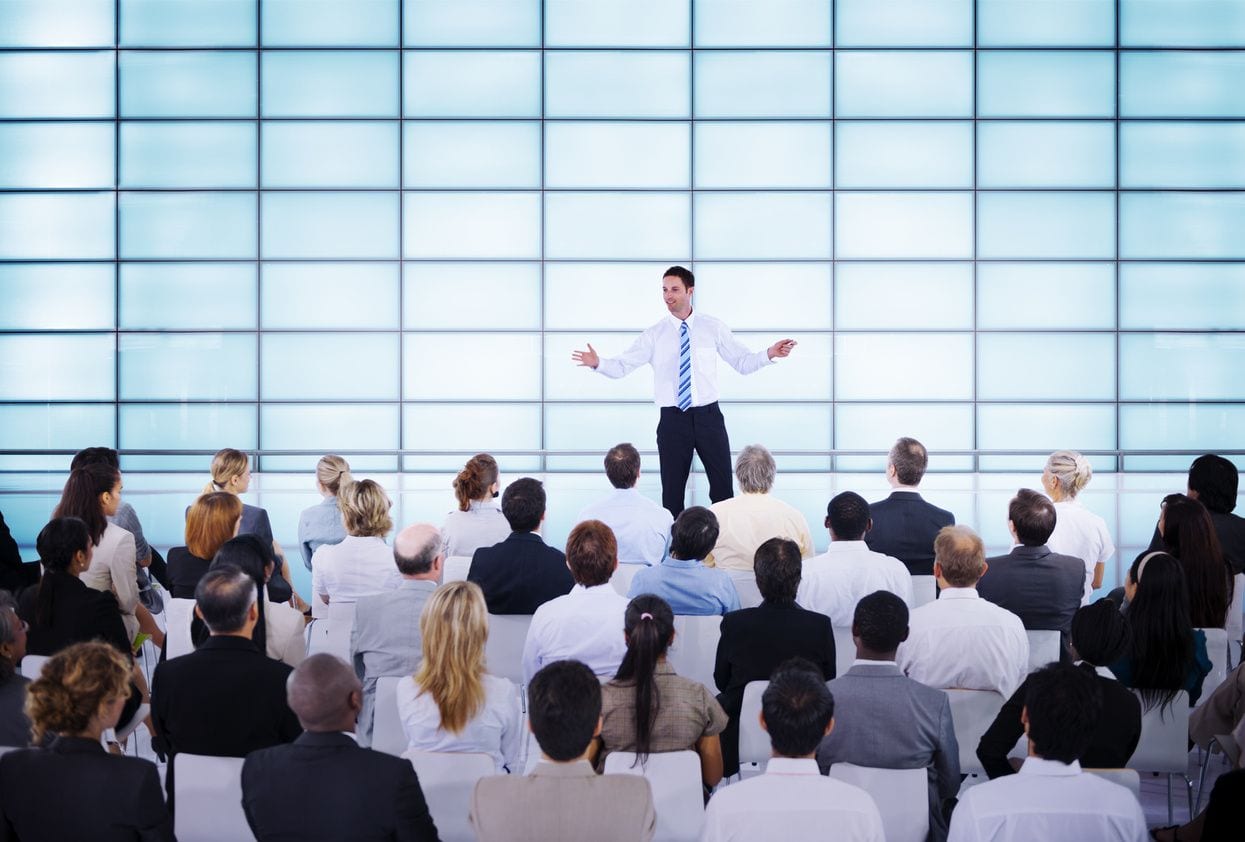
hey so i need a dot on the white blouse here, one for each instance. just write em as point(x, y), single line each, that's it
point(355, 568)
point(1082, 534)
point(482, 525)
point(285, 630)
point(496, 730)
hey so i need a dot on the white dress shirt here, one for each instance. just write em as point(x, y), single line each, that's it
point(793, 802)
point(747, 521)
point(641, 527)
point(585, 624)
point(497, 730)
point(1081, 534)
point(833, 582)
point(1048, 800)
point(482, 525)
point(965, 642)
point(113, 568)
point(285, 632)
point(659, 346)
point(354, 568)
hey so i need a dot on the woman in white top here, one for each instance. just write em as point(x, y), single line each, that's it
point(1078, 531)
point(322, 523)
point(280, 630)
point(451, 704)
point(362, 564)
point(478, 521)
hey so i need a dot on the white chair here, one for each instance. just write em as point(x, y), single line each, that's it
point(678, 797)
point(623, 574)
point(1217, 642)
point(503, 653)
point(456, 567)
point(31, 666)
point(754, 744)
point(695, 647)
point(448, 781)
point(178, 615)
point(972, 712)
point(924, 589)
point(844, 649)
point(1164, 745)
point(746, 586)
point(335, 639)
point(1235, 619)
point(1043, 648)
point(387, 733)
point(1127, 778)
point(902, 797)
point(208, 794)
point(124, 731)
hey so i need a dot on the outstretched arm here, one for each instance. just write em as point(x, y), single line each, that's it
point(781, 348)
point(744, 360)
point(640, 353)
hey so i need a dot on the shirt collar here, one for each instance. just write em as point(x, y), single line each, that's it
point(482, 506)
point(958, 593)
point(792, 766)
point(574, 769)
point(417, 585)
point(865, 662)
point(691, 320)
point(595, 590)
point(846, 546)
point(685, 563)
point(1049, 768)
point(905, 489)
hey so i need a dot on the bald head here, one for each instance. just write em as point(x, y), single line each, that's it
point(959, 556)
point(325, 694)
point(417, 551)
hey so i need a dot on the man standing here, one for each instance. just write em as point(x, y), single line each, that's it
point(683, 351)
point(904, 525)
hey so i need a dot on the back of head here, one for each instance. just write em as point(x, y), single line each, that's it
point(210, 522)
point(778, 566)
point(333, 472)
point(224, 596)
point(1064, 707)
point(253, 556)
point(74, 683)
point(755, 470)
point(622, 465)
point(1033, 517)
point(59, 541)
point(1070, 470)
point(881, 622)
point(474, 480)
point(693, 534)
point(454, 629)
point(365, 509)
point(322, 693)
point(1162, 631)
point(416, 548)
point(95, 455)
point(649, 627)
point(910, 459)
point(591, 553)
point(1215, 480)
point(226, 464)
point(523, 504)
point(1189, 535)
point(797, 707)
point(1101, 635)
point(564, 708)
point(80, 497)
point(960, 554)
point(848, 516)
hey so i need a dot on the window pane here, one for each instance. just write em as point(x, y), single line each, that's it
point(900, 84)
point(877, 426)
point(1037, 225)
point(328, 427)
point(598, 427)
point(55, 427)
point(471, 23)
point(1019, 154)
point(503, 295)
point(187, 427)
point(919, 225)
point(1182, 296)
point(1182, 23)
point(886, 366)
point(188, 366)
point(330, 23)
point(758, 296)
point(1186, 155)
point(1036, 427)
point(903, 155)
point(56, 23)
point(187, 225)
point(330, 155)
point(48, 226)
point(472, 84)
point(873, 296)
point(763, 225)
point(617, 84)
point(52, 367)
point(499, 367)
point(187, 23)
point(342, 225)
point(1046, 84)
point(1074, 366)
point(779, 23)
point(472, 225)
point(566, 381)
point(188, 84)
point(903, 23)
point(447, 154)
point(613, 155)
point(187, 154)
point(56, 84)
point(43, 155)
point(330, 295)
point(1043, 23)
point(617, 23)
point(808, 426)
point(330, 84)
point(574, 292)
point(50, 297)
point(1182, 366)
point(1045, 295)
point(1181, 84)
point(1175, 426)
point(621, 225)
point(762, 84)
point(762, 155)
point(338, 366)
point(463, 427)
point(804, 376)
point(1179, 225)
point(158, 296)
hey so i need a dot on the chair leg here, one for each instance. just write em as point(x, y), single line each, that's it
point(1188, 793)
point(1170, 819)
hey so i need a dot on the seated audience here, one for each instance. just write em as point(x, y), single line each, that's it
point(833, 582)
point(1222, 819)
point(1223, 712)
point(1052, 798)
point(756, 640)
point(563, 799)
point(210, 521)
point(322, 523)
point(280, 631)
point(792, 801)
point(648, 708)
point(889, 721)
point(1100, 636)
point(323, 786)
point(1213, 482)
point(904, 525)
point(1078, 532)
point(145, 557)
point(641, 526)
point(14, 574)
point(961, 640)
point(14, 726)
point(451, 704)
point(478, 522)
point(746, 521)
point(362, 564)
point(1189, 536)
point(386, 639)
point(521, 573)
point(586, 624)
point(682, 579)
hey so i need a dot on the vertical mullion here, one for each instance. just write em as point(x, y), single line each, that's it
point(401, 459)
point(834, 244)
point(976, 367)
point(259, 233)
point(116, 225)
point(1119, 455)
point(544, 237)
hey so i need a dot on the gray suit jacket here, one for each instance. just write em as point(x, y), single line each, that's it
point(886, 720)
point(563, 803)
point(1040, 587)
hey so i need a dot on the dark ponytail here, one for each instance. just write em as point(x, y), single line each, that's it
point(649, 624)
point(80, 498)
point(58, 542)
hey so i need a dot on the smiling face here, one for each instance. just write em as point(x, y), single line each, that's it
point(677, 295)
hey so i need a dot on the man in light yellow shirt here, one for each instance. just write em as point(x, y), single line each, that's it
point(749, 520)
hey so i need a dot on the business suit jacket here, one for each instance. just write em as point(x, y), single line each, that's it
point(185, 570)
point(563, 803)
point(904, 526)
point(13, 573)
point(79, 614)
point(323, 786)
point(886, 720)
point(1040, 587)
point(74, 790)
point(520, 574)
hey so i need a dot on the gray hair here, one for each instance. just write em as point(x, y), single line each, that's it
point(9, 621)
point(755, 469)
point(1071, 471)
point(416, 548)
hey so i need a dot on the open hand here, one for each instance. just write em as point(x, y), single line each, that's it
point(781, 348)
point(589, 357)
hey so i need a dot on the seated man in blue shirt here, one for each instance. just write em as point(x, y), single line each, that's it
point(682, 579)
point(641, 526)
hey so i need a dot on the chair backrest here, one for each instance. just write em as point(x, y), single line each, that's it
point(1217, 650)
point(754, 745)
point(924, 589)
point(1164, 743)
point(678, 797)
point(844, 649)
point(178, 615)
point(1043, 648)
point(447, 781)
point(695, 647)
point(746, 586)
point(338, 626)
point(972, 712)
point(455, 570)
point(623, 574)
point(31, 666)
point(902, 797)
point(387, 733)
point(1235, 610)
point(208, 793)
point(1127, 778)
point(503, 653)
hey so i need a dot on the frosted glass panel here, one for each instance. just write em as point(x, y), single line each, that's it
point(623, 225)
point(1045, 428)
point(612, 155)
point(187, 23)
point(758, 296)
point(599, 427)
point(566, 381)
point(1182, 23)
point(805, 427)
point(1158, 155)
point(923, 296)
point(897, 154)
point(471, 154)
point(342, 225)
point(340, 366)
point(1046, 295)
point(330, 295)
point(617, 23)
point(471, 84)
point(330, 84)
point(48, 226)
point(56, 23)
point(1176, 84)
point(1182, 296)
point(889, 366)
point(903, 23)
point(330, 23)
point(609, 84)
point(502, 295)
point(471, 23)
point(779, 23)
point(1046, 366)
point(1182, 225)
point(188, 427)
point(900, 84)
point(187, 225)
point(804, 376)
point(471, 427)
point(50, 296)
point(1037, 225)
point(328, 427)
point(1204, 428)
point(1046, 154)
point(497, 367)
point(43, 155)
point(187, 154)
point(188, 84)
point(917, 225)
point(763, 225)
point(56, 84)
point(762, 155)
point(1042, 23)
point(573, 292)
point(330, 155)
point(762, 84)
point(188, 366)
point(877, 426)
point(1182, 367)
point(472, 225)
point(1046, 84)
point(188, 295)
point(55, 427)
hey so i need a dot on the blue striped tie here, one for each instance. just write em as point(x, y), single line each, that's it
point(685, 369)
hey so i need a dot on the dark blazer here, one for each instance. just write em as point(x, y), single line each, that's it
point(520, 574)
point(14, 726)
point(1042, 588)
point(79, 614)
point(1113, 742)
point(323, 786)
point(13, 573)
point(1230, 530)
point(904, 526)
point(74, 790)
point(186, 569)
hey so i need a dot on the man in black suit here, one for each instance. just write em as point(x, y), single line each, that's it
point(904, 525)
point(1213, 481)
point(324, 786)
point(756, 640)
point(521, 573)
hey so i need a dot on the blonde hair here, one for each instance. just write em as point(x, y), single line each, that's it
point(74, 683)
point(226, 465)
point(365, 509)
point(454, 627)
point(1071, 471)
point(333, 472)
point(210, 522)
point(960, 555)
point(473, 481)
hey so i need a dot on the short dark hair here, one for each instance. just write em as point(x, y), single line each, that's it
point(848, 516)
point(881, 621)
point(95, 456)
point(523, 504)
point(910, 460)
point(564, 706)
point(684, 275)
point(1101, 635)
point(694, 533)
point(1033, 515)
point(1215, 480)
point(797, 706)
point(591, 553)
point(777, 565)
point(224, 595)
point(1065, 707)
point(622, 465)
point(60, 540)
